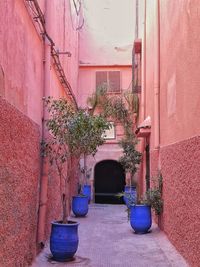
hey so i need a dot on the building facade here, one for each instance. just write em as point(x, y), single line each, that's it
point(169, 119)
point(38, 58)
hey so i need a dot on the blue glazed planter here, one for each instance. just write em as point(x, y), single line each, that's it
point(87, 191)
point(80, 206)
point(140, 218)
point(64, 240)
point(130, 195)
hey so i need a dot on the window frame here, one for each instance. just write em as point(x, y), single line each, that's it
point(108, 81)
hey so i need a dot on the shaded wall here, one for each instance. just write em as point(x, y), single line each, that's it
point(179, 120)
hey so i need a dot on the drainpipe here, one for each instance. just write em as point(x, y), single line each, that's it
point(157, 79)
point(143, 100)
point(44, 169)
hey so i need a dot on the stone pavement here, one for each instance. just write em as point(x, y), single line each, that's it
point(106, 239)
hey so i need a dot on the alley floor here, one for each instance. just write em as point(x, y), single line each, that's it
point(106, 239)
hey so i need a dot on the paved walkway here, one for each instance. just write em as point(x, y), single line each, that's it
point(107, 240)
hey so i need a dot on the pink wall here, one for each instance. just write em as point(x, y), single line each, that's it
point(108, 32)
point(179, 121)
point(21, 54)
point(19, 180)
point(106, 45)
point(180, 41)
point(87, 80)
point(87, 86)
point(21, 91)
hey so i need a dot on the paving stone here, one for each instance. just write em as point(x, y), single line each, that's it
point(106, 239)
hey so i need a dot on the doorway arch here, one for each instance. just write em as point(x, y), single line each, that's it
point(109, 179)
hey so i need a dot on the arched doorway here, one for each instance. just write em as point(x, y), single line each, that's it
point(109, 180)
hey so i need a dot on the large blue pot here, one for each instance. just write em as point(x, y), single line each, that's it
point(130, 195)
point(64, 240)
point(80, 205)
point(140, 218)
point(87, 191)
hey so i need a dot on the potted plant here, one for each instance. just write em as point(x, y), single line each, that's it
point(130, 161)
point(140, 213)
point(86, 187)
point(89, 129)
point(69, 129)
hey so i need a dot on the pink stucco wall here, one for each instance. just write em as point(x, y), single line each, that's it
point(19, 180)
point(180, 41)
point(108, 32)
point(87, 80)
point(87, 86)
point(179, 120)
point(21, 54)
point(181, 197)
point(22, 72)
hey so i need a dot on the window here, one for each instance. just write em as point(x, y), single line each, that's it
point(109, 78)
point(110, 134)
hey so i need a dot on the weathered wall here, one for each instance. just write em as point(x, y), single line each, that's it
point(181, 197)
point(22, 69)
point(19, 179)
point(179, 121)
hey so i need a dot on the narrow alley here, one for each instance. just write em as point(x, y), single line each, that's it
point(106, 239)
point(98, 99)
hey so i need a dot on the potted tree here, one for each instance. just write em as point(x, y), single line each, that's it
point(130, 161)
point(140, 213)
point(69, 129)
point(89, 129)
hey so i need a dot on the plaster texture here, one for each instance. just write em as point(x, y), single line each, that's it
point(179, 125)
point(22, 57)
point(106, 239)
point(180, 169)
point(19, 180)
point(22, 75)
point(87, 80)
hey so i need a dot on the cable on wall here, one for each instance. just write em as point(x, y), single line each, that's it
point(38, 17)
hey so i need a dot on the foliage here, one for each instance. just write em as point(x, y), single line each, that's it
point(153, 196)
point(72, 134)
point(120, 109)
point(131, 157)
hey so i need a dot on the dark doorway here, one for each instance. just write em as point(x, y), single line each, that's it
point(109, 180)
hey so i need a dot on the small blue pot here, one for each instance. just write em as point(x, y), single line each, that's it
point(87, 191)
point(64, 240)
point(130, 195)
point(140, 218)
point(80, 206)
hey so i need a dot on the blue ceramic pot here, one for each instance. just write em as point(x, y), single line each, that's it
point(64, 240)
point(130, 195)
point(80, 206)
point(87, 191)
point(140, 218)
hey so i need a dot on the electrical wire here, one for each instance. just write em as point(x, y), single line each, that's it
point(38, 17)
